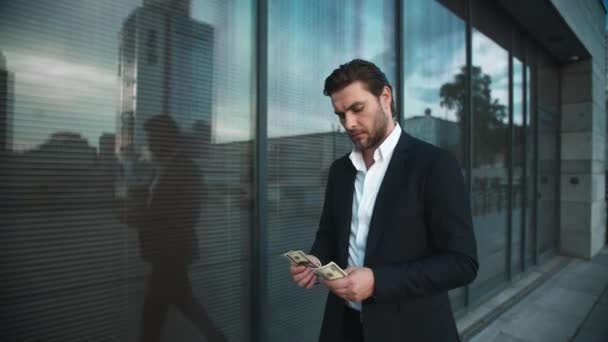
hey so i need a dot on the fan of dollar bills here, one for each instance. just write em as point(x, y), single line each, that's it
point(329, 271)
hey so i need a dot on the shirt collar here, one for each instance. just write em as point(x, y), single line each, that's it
point(384, 151)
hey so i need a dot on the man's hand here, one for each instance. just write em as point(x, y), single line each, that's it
point(356, 287)
point(304, 276)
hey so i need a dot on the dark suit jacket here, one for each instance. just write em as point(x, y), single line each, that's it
point(420, 244)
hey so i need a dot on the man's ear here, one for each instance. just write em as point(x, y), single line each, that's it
point(385, 99)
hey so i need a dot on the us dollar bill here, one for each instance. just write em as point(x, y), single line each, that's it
point(298, 258)
point(330, 271)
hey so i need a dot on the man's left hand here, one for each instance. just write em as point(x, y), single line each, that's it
point(356, 287)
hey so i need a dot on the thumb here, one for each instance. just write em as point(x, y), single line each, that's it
point(350, 269)
point(314, 260)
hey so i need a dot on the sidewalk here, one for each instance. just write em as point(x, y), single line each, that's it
point(570, 305)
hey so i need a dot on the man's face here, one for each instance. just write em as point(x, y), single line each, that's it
point(365, 117)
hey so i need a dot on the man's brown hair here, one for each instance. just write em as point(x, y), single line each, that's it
point(373, 79)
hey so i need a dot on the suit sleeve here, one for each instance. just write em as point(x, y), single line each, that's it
point(454, 260)
point(325, 240)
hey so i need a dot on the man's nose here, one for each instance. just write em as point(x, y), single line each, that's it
point(349, 121)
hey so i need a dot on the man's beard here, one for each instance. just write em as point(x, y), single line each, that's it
point(375, 136)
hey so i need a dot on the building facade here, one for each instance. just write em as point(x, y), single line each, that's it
point(520, 102)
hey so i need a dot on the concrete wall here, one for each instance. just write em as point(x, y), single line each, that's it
point(583, 133)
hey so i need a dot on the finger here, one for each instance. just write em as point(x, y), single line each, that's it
point(349, 269)
point(293, 269)
point(314, 260)
point(305, 280)
point(299, 276)
point(312, 282)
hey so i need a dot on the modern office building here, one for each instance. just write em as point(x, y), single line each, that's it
point(515, 89)
point(165, 66)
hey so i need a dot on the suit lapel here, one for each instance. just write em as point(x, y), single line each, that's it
point(344, 206)
point(387, 200)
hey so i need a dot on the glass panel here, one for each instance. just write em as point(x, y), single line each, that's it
point(518, 190)
point(118, 226)
point(490, 84)
point(434, 62)
point(307, 41)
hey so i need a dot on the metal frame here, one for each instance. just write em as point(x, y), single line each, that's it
point(468, 145)
point(400, 105)
point(525, 183)
point(259, 235)
point(518, 37)
point(510, 151)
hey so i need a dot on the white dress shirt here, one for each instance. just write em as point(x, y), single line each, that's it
point(367, 184)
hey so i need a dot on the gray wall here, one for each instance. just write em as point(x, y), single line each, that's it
point(583, 133)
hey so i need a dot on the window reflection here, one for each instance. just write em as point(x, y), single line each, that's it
point(89, 252)
point(307, 40)
point(490, 186)
point(434, 85)
point(103, 239)
point(518, 164)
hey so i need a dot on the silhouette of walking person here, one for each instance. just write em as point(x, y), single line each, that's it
point(166, 218)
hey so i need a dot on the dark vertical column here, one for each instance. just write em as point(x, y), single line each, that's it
point(510, 141)
point(468, 105)
point(525, 183)
point(536, 171)
point(398, 91)
point(259, 235)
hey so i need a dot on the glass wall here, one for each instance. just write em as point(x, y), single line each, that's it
point(518, 156)
point(125, 214)
point(127, 143)
point(489, 162)
point(307, 40)
point(434, 90)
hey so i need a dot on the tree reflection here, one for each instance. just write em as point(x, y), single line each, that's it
point(489, 115)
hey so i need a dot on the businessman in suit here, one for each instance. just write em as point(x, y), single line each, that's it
point(396, 216)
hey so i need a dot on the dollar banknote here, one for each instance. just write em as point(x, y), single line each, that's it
point(298, 258)
point(328, 272)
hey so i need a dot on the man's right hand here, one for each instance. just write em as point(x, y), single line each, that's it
point(304, 276)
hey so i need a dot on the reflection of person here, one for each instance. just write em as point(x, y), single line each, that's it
point(396, 212)
point(166, 219)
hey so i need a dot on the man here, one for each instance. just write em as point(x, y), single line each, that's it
point(397, 218)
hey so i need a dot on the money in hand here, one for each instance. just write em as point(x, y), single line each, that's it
point(298, 258)
point(328, 272)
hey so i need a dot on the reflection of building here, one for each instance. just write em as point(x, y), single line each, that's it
point(285, 156)
point(165, 67)
point(7, 83)
point(296, 183)
point(434, 130)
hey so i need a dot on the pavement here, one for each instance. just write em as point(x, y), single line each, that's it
point(565, 299)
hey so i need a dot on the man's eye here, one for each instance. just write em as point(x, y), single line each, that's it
point(358, 109)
